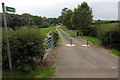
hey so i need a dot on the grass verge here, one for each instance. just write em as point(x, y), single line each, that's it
point(59, 41)
point(116, 52)
point(70, 32)
point(98, 42)
point(95, 41)
point(46, 72)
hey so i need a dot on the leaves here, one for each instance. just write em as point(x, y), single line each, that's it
point(25, 44)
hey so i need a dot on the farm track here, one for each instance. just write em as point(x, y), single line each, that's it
point(84, 62)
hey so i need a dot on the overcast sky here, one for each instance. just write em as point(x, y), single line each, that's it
point(102, 9)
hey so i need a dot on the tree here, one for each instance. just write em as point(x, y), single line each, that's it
point(66, 19)
point(15, 20)
point(74, 20)
point(53, 20)
point(27, 19)
point(37, 20)
point(64, 11)
point(60, 19)
point(82, 17)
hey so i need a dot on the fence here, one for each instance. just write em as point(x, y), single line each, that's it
point(49, 44)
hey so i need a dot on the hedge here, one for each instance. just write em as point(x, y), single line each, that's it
point(55, 37)
point(27, 49)
point(109, 35)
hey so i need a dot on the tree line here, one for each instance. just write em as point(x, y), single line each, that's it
point(78, 19)
point(81, 19)
point(27, 46)
point(105, 21)
point(16, 20)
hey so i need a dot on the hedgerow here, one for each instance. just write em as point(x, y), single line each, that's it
point(26, 47)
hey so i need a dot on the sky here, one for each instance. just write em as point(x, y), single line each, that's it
point(102, 9)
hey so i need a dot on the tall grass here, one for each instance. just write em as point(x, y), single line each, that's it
point(46, 72)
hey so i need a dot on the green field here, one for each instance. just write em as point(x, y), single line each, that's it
point(46, 72)
point(44, 31)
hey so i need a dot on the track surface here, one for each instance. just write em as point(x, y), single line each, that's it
point(84, 61)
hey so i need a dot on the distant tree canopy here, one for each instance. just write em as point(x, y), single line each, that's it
point(15, 20)
point(105, 21)
point(82, 17)
point(66, 13)
point(79, 19)
point(53, 20)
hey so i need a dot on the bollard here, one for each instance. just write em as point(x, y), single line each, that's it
point(71, 41)
point(87, 42)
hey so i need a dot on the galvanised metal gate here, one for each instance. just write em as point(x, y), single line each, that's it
point(49, 45)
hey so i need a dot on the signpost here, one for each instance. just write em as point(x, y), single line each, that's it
point(9, 9)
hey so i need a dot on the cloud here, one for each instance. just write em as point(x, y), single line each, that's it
point(103, 9)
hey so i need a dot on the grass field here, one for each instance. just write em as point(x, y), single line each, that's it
point(46, 72)
point(44, 31)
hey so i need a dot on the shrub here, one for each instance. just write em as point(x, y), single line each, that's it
point(109, 35)
point(26, 46)
point(44, 25)
point(91, 31)
point(55, 37)
point(111, 39)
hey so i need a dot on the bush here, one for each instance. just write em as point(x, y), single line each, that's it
point(91, 31)
point(109, 35)
point(44, 25)
point(26, 46)
point(111, 40)
point(55, 37)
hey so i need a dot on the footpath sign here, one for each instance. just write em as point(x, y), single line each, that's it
point(10, 9)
